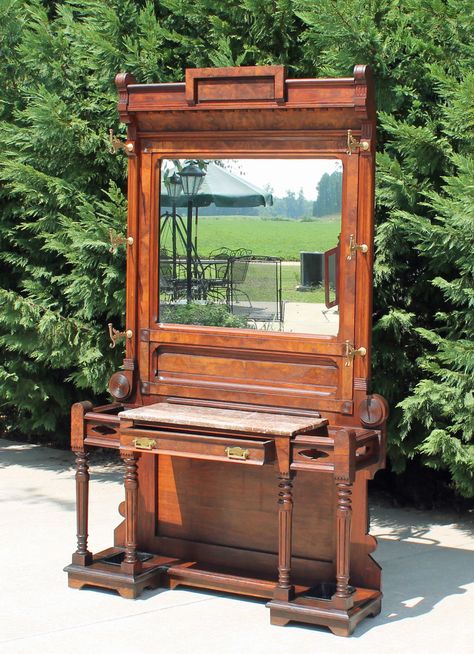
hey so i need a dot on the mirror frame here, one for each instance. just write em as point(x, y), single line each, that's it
point(156, 313)
point(251, 112)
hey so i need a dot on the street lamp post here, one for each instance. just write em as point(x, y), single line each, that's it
point(192, 178)
point(174, 187)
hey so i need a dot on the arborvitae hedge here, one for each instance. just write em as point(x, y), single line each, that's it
point(62, 191)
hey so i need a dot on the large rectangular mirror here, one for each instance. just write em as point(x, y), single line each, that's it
point(251, 243)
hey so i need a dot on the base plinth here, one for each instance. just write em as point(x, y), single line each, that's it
point(104, 572)
point(323, 612)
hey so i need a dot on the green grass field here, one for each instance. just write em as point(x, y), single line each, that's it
point(285, 239)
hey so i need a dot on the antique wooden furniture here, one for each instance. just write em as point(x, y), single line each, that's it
point(246, 452)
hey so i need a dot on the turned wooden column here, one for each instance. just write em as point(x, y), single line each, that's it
point(82, 556)
point(343, 539)
point(131, 564)
point(344, 475)
point(284, 591)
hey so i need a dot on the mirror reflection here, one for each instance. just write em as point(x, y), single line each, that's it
point(251, 243)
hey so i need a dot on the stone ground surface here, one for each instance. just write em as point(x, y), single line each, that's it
point(428, 562)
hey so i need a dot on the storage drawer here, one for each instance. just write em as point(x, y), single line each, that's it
point(102, 433)
point(199, 446)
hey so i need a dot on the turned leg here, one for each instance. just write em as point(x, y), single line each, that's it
point(82, 556)
point(284, 590)
point(343, 541)
point(131, 564)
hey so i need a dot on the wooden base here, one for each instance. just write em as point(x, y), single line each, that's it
point(341, 622)
point(212, 578)
point(102, 574)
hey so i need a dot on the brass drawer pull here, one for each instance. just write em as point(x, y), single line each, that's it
point(144, 443)
point(237, 453)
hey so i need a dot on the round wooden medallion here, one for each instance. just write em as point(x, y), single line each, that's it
point(119, 385)
point(373, 411)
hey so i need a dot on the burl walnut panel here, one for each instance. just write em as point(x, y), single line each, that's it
point(316, 378)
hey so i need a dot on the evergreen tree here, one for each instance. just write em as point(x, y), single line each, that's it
point(62, 191)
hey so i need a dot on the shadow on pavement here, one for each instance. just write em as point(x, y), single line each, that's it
point(105, 465)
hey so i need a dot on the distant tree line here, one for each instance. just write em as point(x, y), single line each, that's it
point(329, 200)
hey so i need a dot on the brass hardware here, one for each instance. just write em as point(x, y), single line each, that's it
point(350, 352)
point(354, 247)
point(237, 453)
point(116, 240)
point(353, 144)
point(144, 443)
point(116, 335)
point(116, 144)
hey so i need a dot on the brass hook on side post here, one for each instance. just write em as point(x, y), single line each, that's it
point(356, 247)
point(353, 144)
point(350, 353)
point(116, 335)
point(116, 240)
point(116, 144)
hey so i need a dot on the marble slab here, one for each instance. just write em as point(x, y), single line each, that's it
point(254, 422)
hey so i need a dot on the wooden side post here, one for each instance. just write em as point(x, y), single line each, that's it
point(344, 475)
point(131, 564)
point(284, 591)
point(81, 556)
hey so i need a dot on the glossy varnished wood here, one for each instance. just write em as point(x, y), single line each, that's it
point(290, 516)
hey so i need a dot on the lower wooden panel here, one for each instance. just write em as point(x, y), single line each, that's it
point(217, 514)
point(229, 505)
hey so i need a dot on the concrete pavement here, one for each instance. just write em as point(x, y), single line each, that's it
point(427, 558)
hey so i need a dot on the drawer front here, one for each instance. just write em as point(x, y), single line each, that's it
point(197, 446)
point(311, 456)
point(102, 434)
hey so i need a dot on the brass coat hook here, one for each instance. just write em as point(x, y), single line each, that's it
point(353, 144)
point(116, 144)
point(117, 239)
point(116, 335)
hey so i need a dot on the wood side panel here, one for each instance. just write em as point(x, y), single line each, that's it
point(244, 514)
point(132, 254)
point(365, 234)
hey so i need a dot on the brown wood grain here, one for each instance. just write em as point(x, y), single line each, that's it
point(298, 517)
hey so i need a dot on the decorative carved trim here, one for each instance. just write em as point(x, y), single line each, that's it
point(360, 384)
point(373, 411)
point(122, 80)
point(78, 410)
point(346, 408)
point(249, 81)
point(129, 364)
point(363, 88)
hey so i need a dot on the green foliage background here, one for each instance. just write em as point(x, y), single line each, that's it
point(62, 191)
